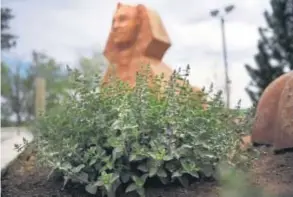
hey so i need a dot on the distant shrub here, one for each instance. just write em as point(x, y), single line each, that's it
point(121, 136)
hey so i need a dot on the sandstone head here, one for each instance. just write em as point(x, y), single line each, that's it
point(139, 30)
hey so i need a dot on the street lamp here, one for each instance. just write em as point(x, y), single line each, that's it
point(218, 13)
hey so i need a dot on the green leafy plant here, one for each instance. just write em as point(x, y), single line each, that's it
point(118, 137)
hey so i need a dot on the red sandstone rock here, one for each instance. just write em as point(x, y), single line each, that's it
point(274, 116)
point(283, 137)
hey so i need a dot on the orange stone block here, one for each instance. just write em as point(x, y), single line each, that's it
point(137, 38)
point(274, 115)
point(245, 142)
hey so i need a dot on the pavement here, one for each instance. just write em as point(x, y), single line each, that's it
point(9, 137)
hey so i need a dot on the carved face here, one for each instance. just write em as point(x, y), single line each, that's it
point(125, 22)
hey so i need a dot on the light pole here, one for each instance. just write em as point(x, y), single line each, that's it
point(221, 15)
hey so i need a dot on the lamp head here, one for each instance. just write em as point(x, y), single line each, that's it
point(214, 13)
point(229, 8)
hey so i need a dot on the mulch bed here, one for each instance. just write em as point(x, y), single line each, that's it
point(24, 179)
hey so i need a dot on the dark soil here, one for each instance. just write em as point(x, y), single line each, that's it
point(272, 172)
point(25, 179)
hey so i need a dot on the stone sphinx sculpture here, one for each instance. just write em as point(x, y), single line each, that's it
point(137, 38)
point(274, 116)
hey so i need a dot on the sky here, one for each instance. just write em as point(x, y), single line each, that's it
point(69, 29)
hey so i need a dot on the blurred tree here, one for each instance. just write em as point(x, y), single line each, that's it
point(55, 74)
point(95, 64)
point(12, 93)
point(18, 90)
point(8, 40)
point(275, 48)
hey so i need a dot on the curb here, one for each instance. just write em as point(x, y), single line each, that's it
point(8, 152)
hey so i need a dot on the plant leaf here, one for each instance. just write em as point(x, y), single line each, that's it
point(134, 157)
point(78, 168)
point(167, 158)
point(131, 188)
point(171, 166)
point(117, 152)
point(108, 187)
point(162, 173)
point(92, 189)
point(207, 170)
point(194, 174)
point(66, 179)
point(153, 171)
point(176, 174)
point(93, 161)
point(139, 181)
point(116, 184)
point(66, 166)
point(141, 192)
point(114, 178)
point(143, 167)
point(153, 166)
point(209, 156)
point(164, 180)
point(124, 177)
point(99, 183)
point(83, 177)
point(184, 181)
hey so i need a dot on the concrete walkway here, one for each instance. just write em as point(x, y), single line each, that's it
point(9, 137)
